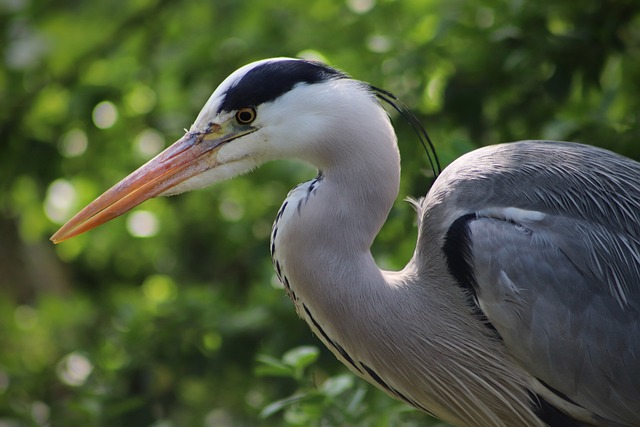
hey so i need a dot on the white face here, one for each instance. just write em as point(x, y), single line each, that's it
point(307, 123)
point(239, 155)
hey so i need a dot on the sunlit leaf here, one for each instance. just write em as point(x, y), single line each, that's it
point(301, 357)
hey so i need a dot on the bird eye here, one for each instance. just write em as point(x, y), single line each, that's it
point(246, 115)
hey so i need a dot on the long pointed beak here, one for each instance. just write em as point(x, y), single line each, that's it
point(192, 154)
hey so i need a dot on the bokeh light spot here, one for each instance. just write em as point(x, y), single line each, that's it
point(61, 197)
point(149, 142)
point(105, 115)
point(361, 6)
point(141, 99)
point(74, 369)
point(142, 224)
point(231, 210)
point(212, 341)
point(159, 288)
point(74, 143)
point(40, 412)
point(379, 44)
point(485, 17)
point(27, 47)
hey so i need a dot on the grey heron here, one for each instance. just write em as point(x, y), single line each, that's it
point(521, 303)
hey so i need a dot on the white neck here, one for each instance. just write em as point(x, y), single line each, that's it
point(321, 249)
point(324, 232)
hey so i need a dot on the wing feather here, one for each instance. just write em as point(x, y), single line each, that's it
point(554, 236)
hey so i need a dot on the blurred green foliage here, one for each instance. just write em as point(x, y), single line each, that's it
point(171, 316)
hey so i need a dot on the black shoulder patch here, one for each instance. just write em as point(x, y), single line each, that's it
point(270, 80)
point(457, 251)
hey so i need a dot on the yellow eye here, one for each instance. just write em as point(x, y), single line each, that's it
point(246, 115)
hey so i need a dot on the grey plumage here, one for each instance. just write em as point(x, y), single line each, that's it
point(559, 278)
point(521, 303)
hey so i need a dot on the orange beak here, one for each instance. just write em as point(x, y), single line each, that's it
point(191, 155)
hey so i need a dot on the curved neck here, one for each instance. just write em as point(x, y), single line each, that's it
point(355, 200)
point(368, 318)
point(339, 214)
point(323, 234)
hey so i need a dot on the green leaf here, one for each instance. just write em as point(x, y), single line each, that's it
point(272, 367)
point(337, 385)
point(281, 404)
point(301, 357)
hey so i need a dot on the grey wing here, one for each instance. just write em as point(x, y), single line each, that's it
point(563, 294)
point(550, 234)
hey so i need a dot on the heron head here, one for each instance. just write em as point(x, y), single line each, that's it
point(270, 109)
